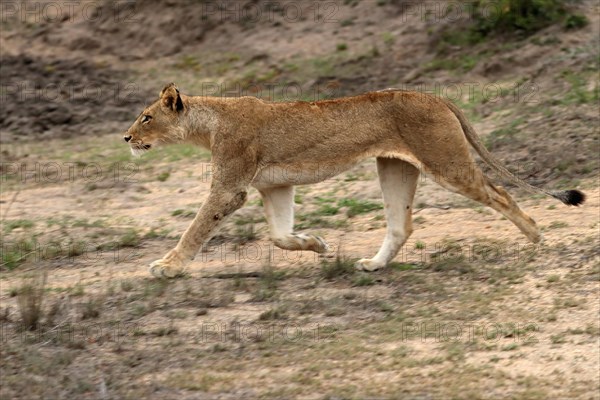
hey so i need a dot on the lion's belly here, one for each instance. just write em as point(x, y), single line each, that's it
point(279, 175)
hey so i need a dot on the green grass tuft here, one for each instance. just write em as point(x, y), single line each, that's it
point(356, 207)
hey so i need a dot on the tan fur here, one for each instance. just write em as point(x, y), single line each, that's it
point(274, 146)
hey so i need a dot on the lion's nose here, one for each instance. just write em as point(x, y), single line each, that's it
point(127, 138)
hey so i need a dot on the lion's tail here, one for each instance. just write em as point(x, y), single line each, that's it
point(569, 197)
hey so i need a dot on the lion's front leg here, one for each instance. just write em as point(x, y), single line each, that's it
point(219, 204)
point(170, 266)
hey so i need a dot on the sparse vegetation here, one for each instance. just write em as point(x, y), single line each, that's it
point(30, 298)
point(402, 266)
point(388, 39)
point(9, 226)
point(461, 64)
point(499, 136)
point(163, 176)
point(327, 209)
point(557, 225)
point(575, 21)
point(91, 308)
point(341, 47)
point(320, 218)
point(130, 238)
point(76, 290)
point(268, 283)
point(347, 22)
point(341, 266)
point(249, 220)
point(188, 62)
point(363, 279)
point(521, 16)
point(356, 207)
point(183, 213)
point(15, 253)
point(245, 234)
point(273, 313)
point(579, 92)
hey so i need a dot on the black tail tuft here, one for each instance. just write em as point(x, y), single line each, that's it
point(570, 197)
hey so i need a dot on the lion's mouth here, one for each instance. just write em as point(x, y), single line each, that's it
point(139, 148)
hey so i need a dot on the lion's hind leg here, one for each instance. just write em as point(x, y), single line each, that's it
point(398, 180)
point(279, 210)
point(473, 184)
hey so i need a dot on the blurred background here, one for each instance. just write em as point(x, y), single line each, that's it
point(526, 70)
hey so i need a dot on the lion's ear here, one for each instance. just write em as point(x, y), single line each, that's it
point(170, 98)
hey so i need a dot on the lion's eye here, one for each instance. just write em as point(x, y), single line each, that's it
point(146, 119)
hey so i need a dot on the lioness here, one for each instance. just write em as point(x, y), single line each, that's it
point(274, 146)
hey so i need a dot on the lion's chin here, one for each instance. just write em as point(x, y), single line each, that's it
point(136, 152)
point(139, 149)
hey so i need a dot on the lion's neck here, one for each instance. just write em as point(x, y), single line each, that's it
point(202, 121)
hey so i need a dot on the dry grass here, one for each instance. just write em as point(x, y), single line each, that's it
point(30, 299)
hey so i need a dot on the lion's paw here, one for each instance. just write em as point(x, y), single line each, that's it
point(367, 264)
point(165, 269)
point(321, 245)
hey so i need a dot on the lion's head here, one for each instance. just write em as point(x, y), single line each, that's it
point(159, 123)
